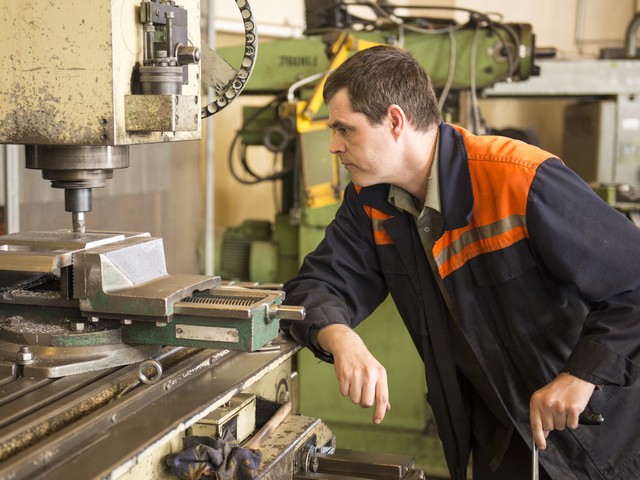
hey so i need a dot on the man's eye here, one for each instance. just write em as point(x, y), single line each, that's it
point(343, 130)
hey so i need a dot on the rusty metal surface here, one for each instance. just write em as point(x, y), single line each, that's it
point(283, 451)
point(161, 113)
point(67, 69)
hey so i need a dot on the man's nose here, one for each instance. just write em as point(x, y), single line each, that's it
point(337, 146)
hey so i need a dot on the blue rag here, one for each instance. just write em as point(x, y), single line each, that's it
point(208, 458)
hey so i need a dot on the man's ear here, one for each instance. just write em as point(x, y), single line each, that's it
point(397, 119)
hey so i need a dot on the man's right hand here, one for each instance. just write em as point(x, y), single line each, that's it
point(361, 377)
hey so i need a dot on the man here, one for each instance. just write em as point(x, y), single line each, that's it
point(519, 286)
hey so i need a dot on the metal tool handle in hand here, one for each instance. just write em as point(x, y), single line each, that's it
point(585, 418)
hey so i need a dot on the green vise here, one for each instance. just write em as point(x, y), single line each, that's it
point(221, 318)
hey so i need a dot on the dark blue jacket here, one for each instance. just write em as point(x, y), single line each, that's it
point(542, 277)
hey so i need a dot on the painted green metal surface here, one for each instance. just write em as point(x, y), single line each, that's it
point(251, 333)
point(29, 324)
point(479, 57)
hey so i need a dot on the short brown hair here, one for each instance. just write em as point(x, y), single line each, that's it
point(385, 75)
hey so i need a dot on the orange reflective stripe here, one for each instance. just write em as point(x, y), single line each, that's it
point(380, 235)
point(382, 238)
point(478, 241)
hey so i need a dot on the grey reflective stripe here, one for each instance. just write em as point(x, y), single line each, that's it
point(377, 224)
point(481, 233)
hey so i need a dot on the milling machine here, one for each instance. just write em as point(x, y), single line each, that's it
point(107, 361)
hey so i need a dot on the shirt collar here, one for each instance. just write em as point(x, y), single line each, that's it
point(403, 200)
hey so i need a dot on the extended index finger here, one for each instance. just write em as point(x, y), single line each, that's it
point(382, 400)
point(535, 420)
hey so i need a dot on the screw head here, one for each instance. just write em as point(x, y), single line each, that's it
point(77, 326)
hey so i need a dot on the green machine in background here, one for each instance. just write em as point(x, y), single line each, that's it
point(460, 58)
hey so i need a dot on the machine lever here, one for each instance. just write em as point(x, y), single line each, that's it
point(590, 418)
point(286, 312)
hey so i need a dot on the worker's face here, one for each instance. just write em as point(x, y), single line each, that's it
point(367, 151)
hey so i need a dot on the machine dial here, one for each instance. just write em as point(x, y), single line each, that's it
point(226, 81)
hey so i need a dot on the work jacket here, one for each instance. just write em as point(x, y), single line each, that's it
point(539, 274)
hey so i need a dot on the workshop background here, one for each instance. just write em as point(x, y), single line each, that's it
point(163, 190)
point(170, 191)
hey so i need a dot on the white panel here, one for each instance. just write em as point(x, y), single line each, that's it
point(277, 18)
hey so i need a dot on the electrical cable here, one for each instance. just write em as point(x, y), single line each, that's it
point(256, 178)
point(472, 82)
point(489, 19)
point(452, 70)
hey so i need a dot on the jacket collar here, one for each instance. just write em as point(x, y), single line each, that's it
point(456, 194)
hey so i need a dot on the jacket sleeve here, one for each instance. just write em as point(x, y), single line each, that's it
point(339, 282)
point(582, 240)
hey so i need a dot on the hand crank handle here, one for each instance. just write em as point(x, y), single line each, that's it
point(587, 417)
point(590, 418)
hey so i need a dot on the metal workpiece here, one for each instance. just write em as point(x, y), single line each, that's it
point(129, 280)
point(46, 252)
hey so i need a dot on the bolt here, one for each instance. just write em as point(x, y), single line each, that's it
point(284, 396)
point(77, 326)
point(24, 356)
